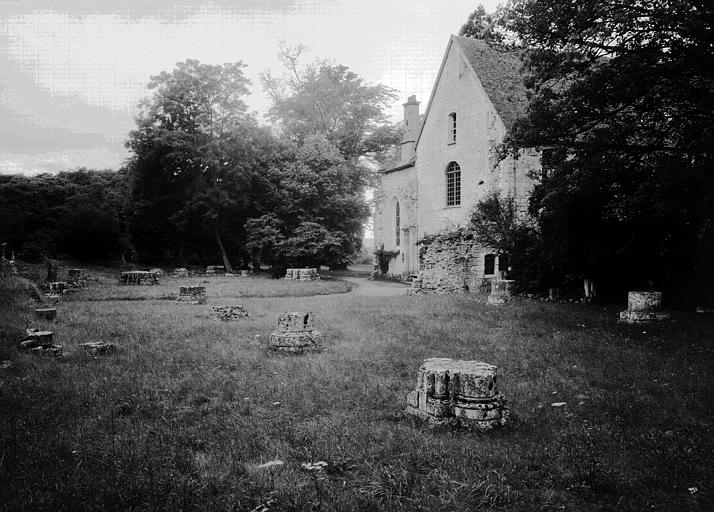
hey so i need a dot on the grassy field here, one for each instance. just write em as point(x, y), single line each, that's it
point(187, 410)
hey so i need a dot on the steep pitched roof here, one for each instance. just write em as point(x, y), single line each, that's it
point(499, 73)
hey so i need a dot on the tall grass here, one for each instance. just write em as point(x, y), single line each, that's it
point(183, 415)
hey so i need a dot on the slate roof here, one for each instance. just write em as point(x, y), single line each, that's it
point(499, 73)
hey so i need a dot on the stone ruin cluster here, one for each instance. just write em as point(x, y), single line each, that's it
point(215, 270)
point(459, 393)
point(40, 342)
point(302, 274)
point(192, 294)
point(76, 279)
point(295, 333)
point(139, 278)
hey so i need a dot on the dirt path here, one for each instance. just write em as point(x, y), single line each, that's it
point(365, 287)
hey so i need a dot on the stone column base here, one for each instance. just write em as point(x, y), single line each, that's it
point(296, 342)
point(459, 393)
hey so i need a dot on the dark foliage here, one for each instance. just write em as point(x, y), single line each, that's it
point(623, 106)
point(78, 214)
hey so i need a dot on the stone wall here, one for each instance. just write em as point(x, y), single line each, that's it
point(452, 267)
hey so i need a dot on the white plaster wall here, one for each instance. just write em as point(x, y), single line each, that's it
point(478, 128)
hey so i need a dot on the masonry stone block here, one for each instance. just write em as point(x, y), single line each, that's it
point(456, 392)
point(644, 306)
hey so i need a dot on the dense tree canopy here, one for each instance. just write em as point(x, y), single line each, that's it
point(623, 106)
point(332, 124)
point(194, 151)
point(78, 214)
point(328, 99)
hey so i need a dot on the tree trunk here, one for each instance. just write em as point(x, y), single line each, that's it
point(226, 262)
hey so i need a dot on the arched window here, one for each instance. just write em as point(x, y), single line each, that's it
point(452, 127)
point(453, 184)
point(489, 264)
point(396, 223)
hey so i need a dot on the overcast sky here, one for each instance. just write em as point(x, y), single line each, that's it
point(72, 72)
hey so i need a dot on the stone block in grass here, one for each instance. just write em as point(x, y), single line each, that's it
point(228, 313)
point(192, 294)
point(460, 393)
point(98, 347)
point(643, 307)
point(296, 334)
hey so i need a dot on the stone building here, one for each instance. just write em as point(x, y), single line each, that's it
point(448, 162)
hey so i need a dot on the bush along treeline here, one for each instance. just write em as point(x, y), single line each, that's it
point(206, 184)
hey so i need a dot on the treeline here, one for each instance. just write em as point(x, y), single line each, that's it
point(79, 214)
point(206, 184)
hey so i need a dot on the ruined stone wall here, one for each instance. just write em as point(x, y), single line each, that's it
point(454, 266)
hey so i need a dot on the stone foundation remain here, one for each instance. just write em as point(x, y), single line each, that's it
point(461, 393)
point(139, 278)
point(192, 294)
point(302, 274)
point(37, 338)
point(98, 347)
point(215, 270)
point(643, 307)
point(76, 278)
point(46, 313)
point(181, 272)
point(228, 313)
point(40, 342)
point(501, 291)
point(295, 334)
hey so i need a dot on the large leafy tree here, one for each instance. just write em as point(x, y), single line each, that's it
point(311, 212)
point(332, 125)
point(483, 25)
point(329, 99)
point(623, 105)
point(193, 154)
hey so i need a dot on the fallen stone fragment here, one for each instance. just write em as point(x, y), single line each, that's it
point(314, 466)
point(98, 347)
point(228, 313)
point(36, 338)
point(558, 404)
point(272, 464)
point(460, 393)
point(46, 313)
point(139, 278)
point(192, 294)
point(52, 350)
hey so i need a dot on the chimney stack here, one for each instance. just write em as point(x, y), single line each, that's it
point(411, 128)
